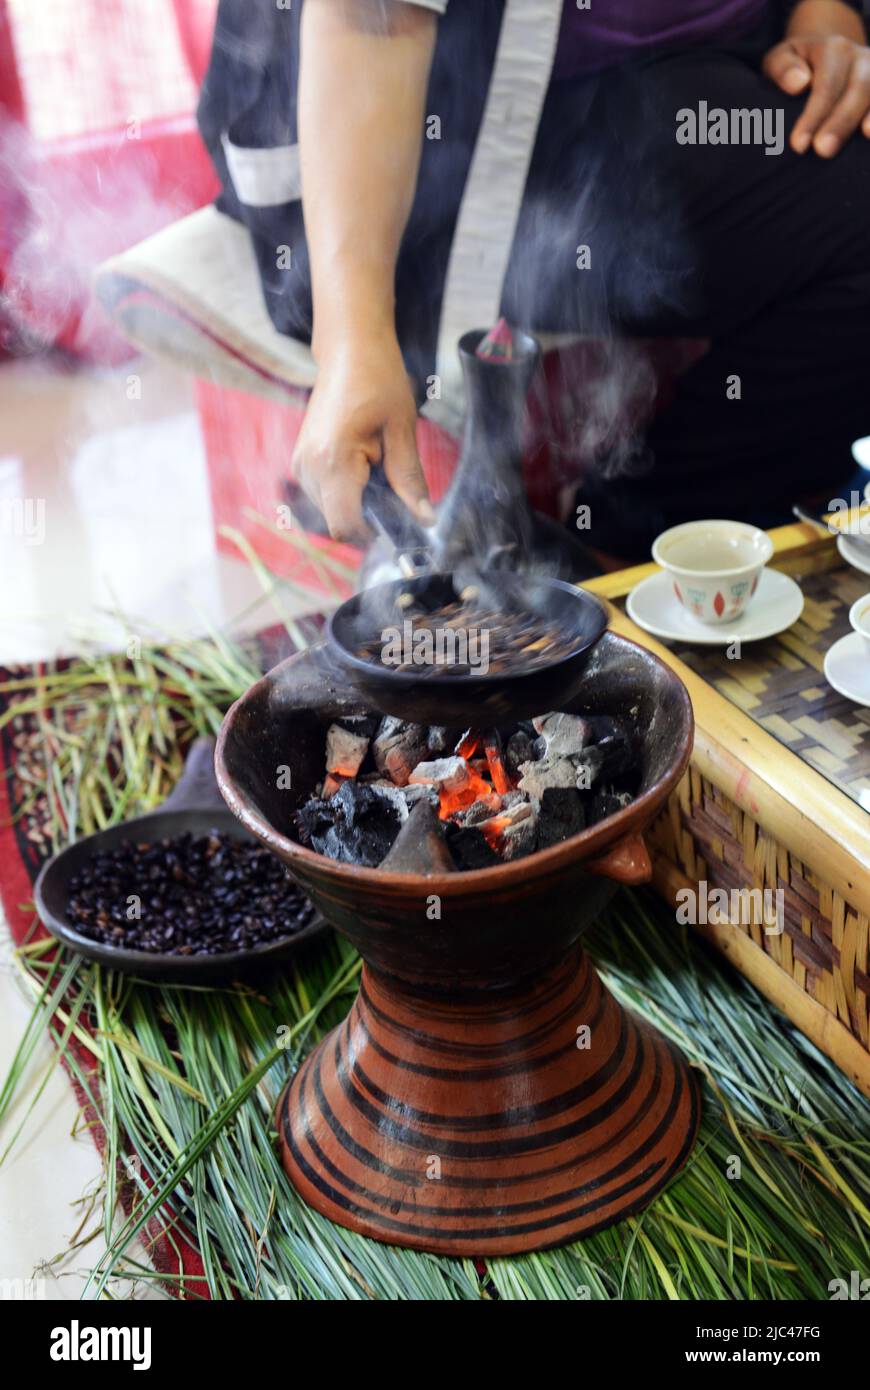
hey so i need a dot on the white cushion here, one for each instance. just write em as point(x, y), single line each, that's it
point(192, 293)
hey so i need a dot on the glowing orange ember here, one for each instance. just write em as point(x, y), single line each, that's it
point(494, 828)
point(467, 744)
point(497, 770)
point(342, 772)
point(457, 798)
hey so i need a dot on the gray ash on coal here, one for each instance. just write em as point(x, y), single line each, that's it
point(501, 793)
point(519, 750)
point(199, 896)
point(398, 748)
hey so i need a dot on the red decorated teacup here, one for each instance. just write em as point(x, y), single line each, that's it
point(714, 566)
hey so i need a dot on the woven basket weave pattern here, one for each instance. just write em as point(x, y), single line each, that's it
point(781, 684)
point(824, 943)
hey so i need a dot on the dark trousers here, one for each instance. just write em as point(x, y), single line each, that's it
point(767, 256)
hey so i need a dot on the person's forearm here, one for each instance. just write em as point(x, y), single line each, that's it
point(363, 79)
point(826, 17)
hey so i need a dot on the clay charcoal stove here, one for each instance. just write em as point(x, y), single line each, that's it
point(484, 865)
point(498, 794)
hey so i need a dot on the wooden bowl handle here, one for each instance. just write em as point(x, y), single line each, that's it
point(628, 862)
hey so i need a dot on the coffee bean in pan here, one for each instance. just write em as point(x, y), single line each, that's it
point(466, 638)
point(187, 896)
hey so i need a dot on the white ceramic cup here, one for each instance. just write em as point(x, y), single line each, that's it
point(714, 566)
point(859, 617)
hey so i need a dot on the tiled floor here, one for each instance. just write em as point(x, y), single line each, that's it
point(117, 513)
point(118, 519)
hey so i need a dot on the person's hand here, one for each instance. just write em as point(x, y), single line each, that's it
point(361, 415)
point(835, 71)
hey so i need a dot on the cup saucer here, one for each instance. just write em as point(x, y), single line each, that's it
point(858, 556)
point(654, 606)
point(847, 668)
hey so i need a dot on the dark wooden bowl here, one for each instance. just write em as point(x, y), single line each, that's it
point(463, 1052)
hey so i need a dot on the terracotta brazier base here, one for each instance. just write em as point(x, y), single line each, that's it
point(488, 1123)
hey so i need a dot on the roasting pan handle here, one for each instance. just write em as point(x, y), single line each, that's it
point(627, 862)
point(197, 788)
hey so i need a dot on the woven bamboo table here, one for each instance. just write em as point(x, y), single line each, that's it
point(775, 798)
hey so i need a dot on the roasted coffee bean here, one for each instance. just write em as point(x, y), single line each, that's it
point(187, 896)
point(460, 638)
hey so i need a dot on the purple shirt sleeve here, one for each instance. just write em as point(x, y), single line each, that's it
point(611, 31)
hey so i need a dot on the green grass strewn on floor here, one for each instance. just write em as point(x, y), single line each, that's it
point(190, 1079)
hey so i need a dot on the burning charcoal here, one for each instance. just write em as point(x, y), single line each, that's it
point(398, 748)
point(495, 761)
point(478, 811)
point(565, 734)
point(405, 798)
point(446, 774)
point(470, 849)
point(420, 791)
point(345, 751)
point(610, 757)
point(561, 816)
point(547, 772)
point(588, 767)
point(513, 798)
point(457, 784)
point(512, 833)
point(365, 725)
point(439, 740)
point(518, 750)
point(616, 743)
point(467, 744)
point(314, 819)
point(358, 825)
point(519, 840)
point(421, 846)
point(607, 803)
